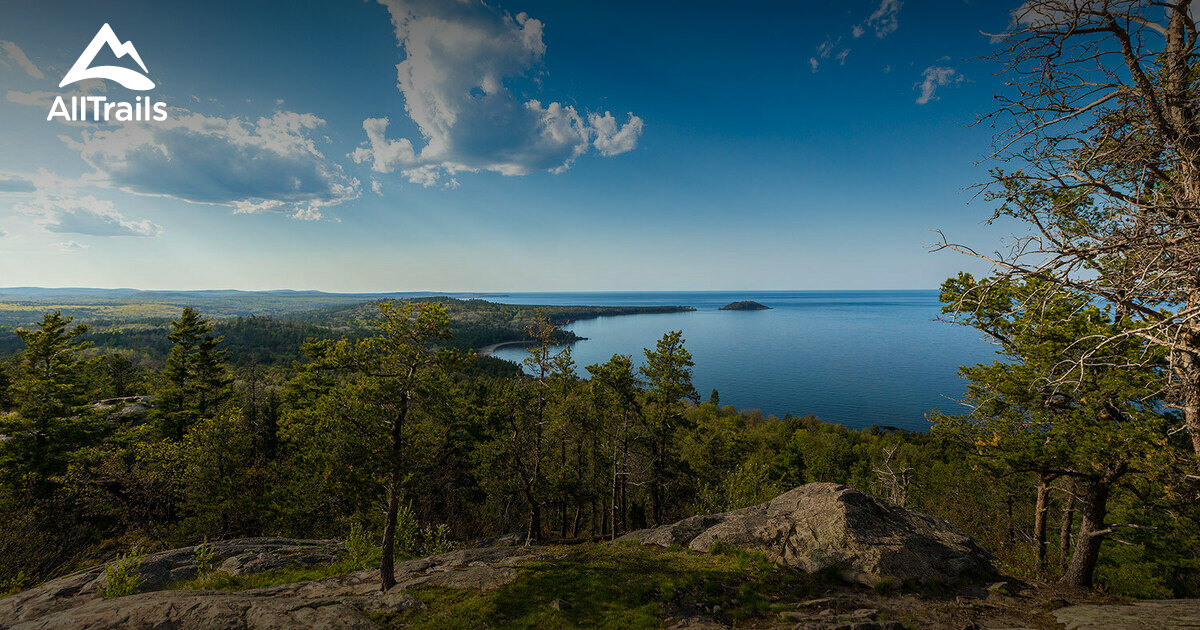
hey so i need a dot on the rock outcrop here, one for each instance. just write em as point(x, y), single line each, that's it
point(335, 602)
point(823, 526)
point(1168, 614)
point(236, 557)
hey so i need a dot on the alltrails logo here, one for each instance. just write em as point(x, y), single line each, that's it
point(100, 109)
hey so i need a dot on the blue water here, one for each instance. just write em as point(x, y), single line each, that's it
point(853, 357)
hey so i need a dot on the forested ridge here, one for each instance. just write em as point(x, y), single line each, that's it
point(392, 431)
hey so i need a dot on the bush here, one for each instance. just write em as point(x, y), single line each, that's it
point(14, 584)
point(205, 558)
point(359, 547)
point(123, 576)
point(414, 540)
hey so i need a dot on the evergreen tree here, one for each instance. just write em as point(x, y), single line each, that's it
point(396, 373)
point(616, 398)
point(49, 395)
point(1099, 429)
point(194, 380)
point(668, 371)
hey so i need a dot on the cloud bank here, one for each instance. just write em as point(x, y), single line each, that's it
point(269, 165)
point(84, 215)
point(461, 61)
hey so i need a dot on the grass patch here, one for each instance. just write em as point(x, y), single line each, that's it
point(614, 585)
point(222, 581)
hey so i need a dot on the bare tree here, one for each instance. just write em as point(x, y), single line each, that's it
point(1099, 141)
point(894, 481)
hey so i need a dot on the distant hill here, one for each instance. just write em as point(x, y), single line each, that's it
point(269, 326)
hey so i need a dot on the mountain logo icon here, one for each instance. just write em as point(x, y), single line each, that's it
point(82, 69)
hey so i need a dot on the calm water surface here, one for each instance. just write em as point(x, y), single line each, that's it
point(854, 357)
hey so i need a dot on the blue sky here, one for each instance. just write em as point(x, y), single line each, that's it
point(528, 145)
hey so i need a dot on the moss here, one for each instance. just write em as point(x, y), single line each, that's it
point(222, 581)
point(613, 585)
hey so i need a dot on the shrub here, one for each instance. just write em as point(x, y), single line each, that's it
point(14, 584)
point(123, 576)
point(359, 547)
point(205, 557)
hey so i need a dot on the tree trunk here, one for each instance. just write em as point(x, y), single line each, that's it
point(1190, 382)
point(535, 524)
point(1092, 511)
point(1039, 520)
point(387, 571)
point(1068, 520)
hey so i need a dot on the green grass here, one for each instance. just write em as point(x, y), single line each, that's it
point(221, 581)
point(615, 585)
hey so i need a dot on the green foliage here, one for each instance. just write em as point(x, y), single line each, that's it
point(14, 584)
point(123, 576)
point(359, 549)
point(315, 449)
point(614, 586)
point(221, 581)
point(205, 557)
point(194, 381)
point(48, 396)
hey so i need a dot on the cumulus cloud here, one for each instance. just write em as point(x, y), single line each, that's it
point(461, 63)
point(13, 53)
point(384, 155)
point(86, 214)
point(70, 246)
point(934, 77)
point(884, 21)
point(271, 164)
point(613, 138)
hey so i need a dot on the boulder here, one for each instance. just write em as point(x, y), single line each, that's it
point(822, 526)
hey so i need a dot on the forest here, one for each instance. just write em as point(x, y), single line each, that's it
point(397, 433)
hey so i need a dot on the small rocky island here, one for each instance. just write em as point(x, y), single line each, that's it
point(745, 305)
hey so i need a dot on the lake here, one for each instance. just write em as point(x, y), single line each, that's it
point(853, 357)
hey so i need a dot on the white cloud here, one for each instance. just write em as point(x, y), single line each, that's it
point(813, 63)
point(612, 138)
point(462, 63)
point(933, 78)
point(269, 165)
point(857, 31)
point(15, 183)
point(384, 155)
point(376, 187)
point(884, 21)
point(70, 246)
point(14, 53)
point(86, 214)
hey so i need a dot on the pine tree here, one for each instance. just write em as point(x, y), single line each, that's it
point(668, 371)
point(49, 396)
point(195, 381)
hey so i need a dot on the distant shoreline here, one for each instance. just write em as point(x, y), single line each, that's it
point(487, 350)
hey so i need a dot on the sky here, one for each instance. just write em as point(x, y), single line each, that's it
point(512, 145)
